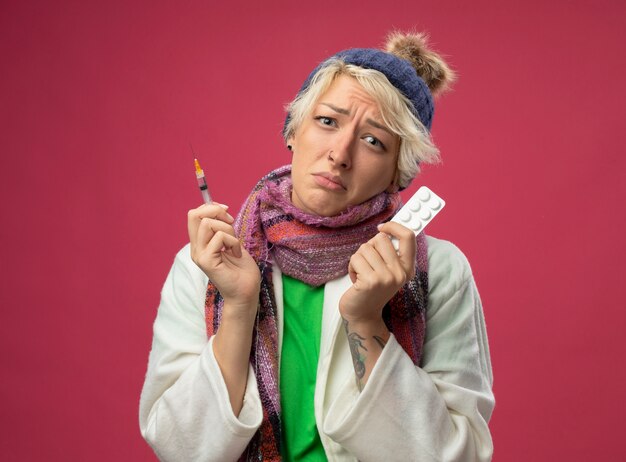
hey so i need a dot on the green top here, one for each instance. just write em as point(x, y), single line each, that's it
point(303, 306)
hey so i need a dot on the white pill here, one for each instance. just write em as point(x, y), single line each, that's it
point(405, 216)
point(415, 206)
point(416, 225)
point(434, 203)
point(423, 194)
point(424, 214)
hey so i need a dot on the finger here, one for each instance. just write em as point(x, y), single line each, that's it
point(351, 269)
point(393, 272)
point(208, 228)
point(215, 211)
point(382, 243)
point(351, 272)
point(369, 252)
point(224, 206)
point(360, 267)
point(223, 242)
point(385, 262)
point(407, 245)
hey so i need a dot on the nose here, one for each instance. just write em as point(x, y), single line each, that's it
point(340, 153)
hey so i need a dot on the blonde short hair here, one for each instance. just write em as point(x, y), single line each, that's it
point(397, 112)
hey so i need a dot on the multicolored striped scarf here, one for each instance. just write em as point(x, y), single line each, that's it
point(315, 250)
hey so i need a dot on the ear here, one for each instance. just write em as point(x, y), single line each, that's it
point(290, 141)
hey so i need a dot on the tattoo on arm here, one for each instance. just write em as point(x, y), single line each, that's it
point(357, 350)
point(356, 343)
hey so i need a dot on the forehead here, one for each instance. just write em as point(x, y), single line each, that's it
point(347, 93)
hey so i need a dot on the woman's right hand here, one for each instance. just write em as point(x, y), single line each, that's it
point(216, 250)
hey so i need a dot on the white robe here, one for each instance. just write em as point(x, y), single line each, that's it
point(436, 412)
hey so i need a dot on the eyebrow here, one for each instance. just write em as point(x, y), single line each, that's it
point(347, 112)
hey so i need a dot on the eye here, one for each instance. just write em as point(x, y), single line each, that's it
point(374, 141)
point(329, 121)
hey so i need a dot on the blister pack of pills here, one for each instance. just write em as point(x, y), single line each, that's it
point(418, 211)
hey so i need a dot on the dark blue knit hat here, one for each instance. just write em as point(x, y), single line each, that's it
point(398, 71)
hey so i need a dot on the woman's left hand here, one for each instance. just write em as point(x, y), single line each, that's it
point(377, 273)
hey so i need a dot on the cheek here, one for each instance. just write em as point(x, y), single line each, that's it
point(382, 175)
point(299, 167)
point(305, 157)
point(295, 168)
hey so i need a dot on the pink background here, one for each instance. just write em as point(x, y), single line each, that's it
point(100, 101)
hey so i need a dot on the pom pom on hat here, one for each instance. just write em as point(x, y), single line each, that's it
point(413, 47)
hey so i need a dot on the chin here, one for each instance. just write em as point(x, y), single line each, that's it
point(318, 203)
point(323, 211)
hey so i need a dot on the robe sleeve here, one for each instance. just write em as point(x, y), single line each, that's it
point(184, 410)
point(439, 411)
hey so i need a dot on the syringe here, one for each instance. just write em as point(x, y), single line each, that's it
point(202, 183)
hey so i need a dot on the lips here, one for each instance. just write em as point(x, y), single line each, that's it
point(329, 181)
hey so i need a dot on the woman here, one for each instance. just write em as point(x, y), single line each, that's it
point(296, 331)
